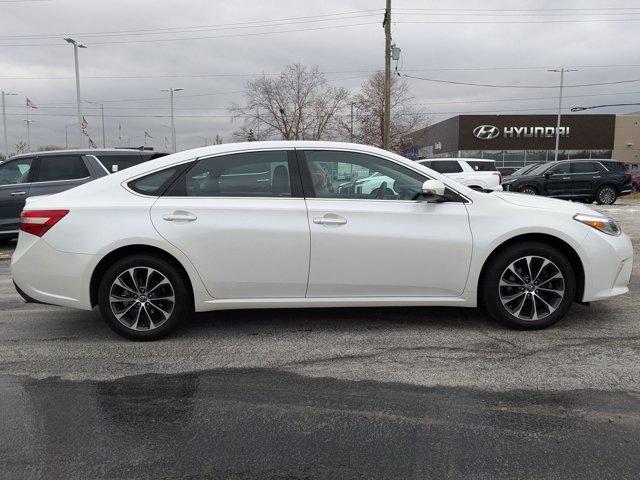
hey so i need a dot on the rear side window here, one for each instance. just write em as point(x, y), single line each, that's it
point(115, 163)
point(446, 166)
point(56, 168)
point(615, 166)
point(426, 163)
point(483, 166)
point(583, 167)
point(155, 183)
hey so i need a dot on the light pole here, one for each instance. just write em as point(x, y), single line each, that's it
point(562, 72)
point(28, 123)
point(104, 138)
point(171, 91)
point(76, 46)
point(4, 121)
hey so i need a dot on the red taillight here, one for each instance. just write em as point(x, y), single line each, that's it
point(38, 222)
point(499, 177)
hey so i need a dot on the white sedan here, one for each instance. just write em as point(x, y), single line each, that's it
point(258, 225)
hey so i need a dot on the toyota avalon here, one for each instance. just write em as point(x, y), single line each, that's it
point(261, 225)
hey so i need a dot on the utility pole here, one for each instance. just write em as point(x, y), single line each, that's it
point(4, 121)
point(76, 46)
point(171, 91)
point(562, 72)
point(351, 127)
point(387, 76)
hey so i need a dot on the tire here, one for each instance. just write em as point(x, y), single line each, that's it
point(588, 200)
point(502, 293)
point(141, 313)
point(528, 190)
point(606, 195)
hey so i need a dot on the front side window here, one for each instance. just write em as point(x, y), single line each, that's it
point(15, 171)
point(251, 174)
point(56, 168)
point(446, 166)
point(371, 177)
point(561, 169)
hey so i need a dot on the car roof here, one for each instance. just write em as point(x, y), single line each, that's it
point(93, 151)
point(444, 159)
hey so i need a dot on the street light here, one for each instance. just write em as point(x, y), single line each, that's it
point(76, 46)
point(562, 72)
point(4, 121)
point(171, 91)
point(581, 109)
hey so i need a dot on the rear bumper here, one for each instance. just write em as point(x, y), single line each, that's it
point(49, 276)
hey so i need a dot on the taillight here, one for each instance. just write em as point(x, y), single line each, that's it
point(38, 222)
point(499, 177)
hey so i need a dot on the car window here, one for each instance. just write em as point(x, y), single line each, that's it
point(53, 168)
point(15, 171)
point(446, 166)
point(615, 166)
point(483, 166)
point(154, 183)
point(251, 174)
point(426, 163)
point(115, 163)
point(583, 167)
point(371, 177)
point(560, 169)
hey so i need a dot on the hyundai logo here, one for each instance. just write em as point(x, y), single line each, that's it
point(486, 132)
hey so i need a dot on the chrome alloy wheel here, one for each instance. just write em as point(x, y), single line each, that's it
point(142, 298)
point(531, 288)
point(528, 191)
point(607, 195)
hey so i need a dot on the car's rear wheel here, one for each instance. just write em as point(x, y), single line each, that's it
point(606, 195)
point(143, 297)
point(528, 286)
point(528, 190)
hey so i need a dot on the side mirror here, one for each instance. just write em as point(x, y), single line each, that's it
point(547, 174)
point(433, 188)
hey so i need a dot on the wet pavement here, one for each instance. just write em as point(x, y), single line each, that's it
point(328, 393)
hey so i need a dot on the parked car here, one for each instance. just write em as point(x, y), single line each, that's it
point(581, 180)
point(151, 244)
point(524, 170)
point(475, 173)
point(506, 171)
point(45, 173)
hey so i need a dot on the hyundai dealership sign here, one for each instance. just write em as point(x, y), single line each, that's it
point(489, 132)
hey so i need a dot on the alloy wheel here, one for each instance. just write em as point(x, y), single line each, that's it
point(142, 298)
point(607, 195)
point(528, 191)
point(531, 288)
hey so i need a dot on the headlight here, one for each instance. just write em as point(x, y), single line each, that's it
point(604, 224)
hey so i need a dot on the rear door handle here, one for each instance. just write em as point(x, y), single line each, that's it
point(179, 217)
point(15, 194)
point(330, 220)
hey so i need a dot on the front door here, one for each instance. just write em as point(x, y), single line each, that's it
point(242, 221)
point(14, 189)
point(584, 176)
point(373, 237)
point(558, 180)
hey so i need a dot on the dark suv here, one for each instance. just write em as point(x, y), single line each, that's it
point(583, 180)
point(45, 173)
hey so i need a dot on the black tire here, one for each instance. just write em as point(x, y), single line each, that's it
point(587, 200)
point(491, 291)
point(167, 320)
point(606, 195)
point(528, 190)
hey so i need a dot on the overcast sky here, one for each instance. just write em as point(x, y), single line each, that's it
point(210, 48)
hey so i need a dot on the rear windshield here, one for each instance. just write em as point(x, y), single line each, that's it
point(482, 166)
point(115, 163)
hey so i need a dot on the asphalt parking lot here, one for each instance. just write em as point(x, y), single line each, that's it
point(351, 393)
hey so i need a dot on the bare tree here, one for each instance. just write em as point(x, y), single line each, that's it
point(296, 105)
point(21, 147)
point(406, 116)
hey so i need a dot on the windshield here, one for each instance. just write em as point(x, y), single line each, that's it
point(539, 169)
point(525, 169)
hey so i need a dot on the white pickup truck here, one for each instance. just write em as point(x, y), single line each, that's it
point(475, 173)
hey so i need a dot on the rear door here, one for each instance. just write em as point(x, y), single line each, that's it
point(242, 221)
point(584, 177)
point(15, 183)
point(57, 173)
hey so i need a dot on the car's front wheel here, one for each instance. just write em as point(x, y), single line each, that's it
point(528, 286)
point(528, 190)
point(143, 297)
point(606, 195)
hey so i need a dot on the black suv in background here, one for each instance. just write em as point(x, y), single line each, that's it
point(46, 173)
point(602, 181)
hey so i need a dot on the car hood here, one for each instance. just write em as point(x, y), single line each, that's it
point(544, 203)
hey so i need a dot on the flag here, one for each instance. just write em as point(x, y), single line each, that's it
point(92, 144)
point(147, 134)
point(85, 125)
point(31, 104)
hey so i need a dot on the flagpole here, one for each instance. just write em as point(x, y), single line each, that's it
point(28, 130)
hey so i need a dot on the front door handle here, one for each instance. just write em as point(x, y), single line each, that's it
point(180, 217)
point(566, 178)
point(15, 194)
point(330, 220)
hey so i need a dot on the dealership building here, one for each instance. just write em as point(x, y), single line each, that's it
point(514, 140)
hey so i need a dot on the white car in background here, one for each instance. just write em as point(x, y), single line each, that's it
point(476, 173)
point(153, 243)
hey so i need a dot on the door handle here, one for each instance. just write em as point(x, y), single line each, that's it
point(179, 217)
point(566, 178)
point(330, 220)
point(15, 194)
